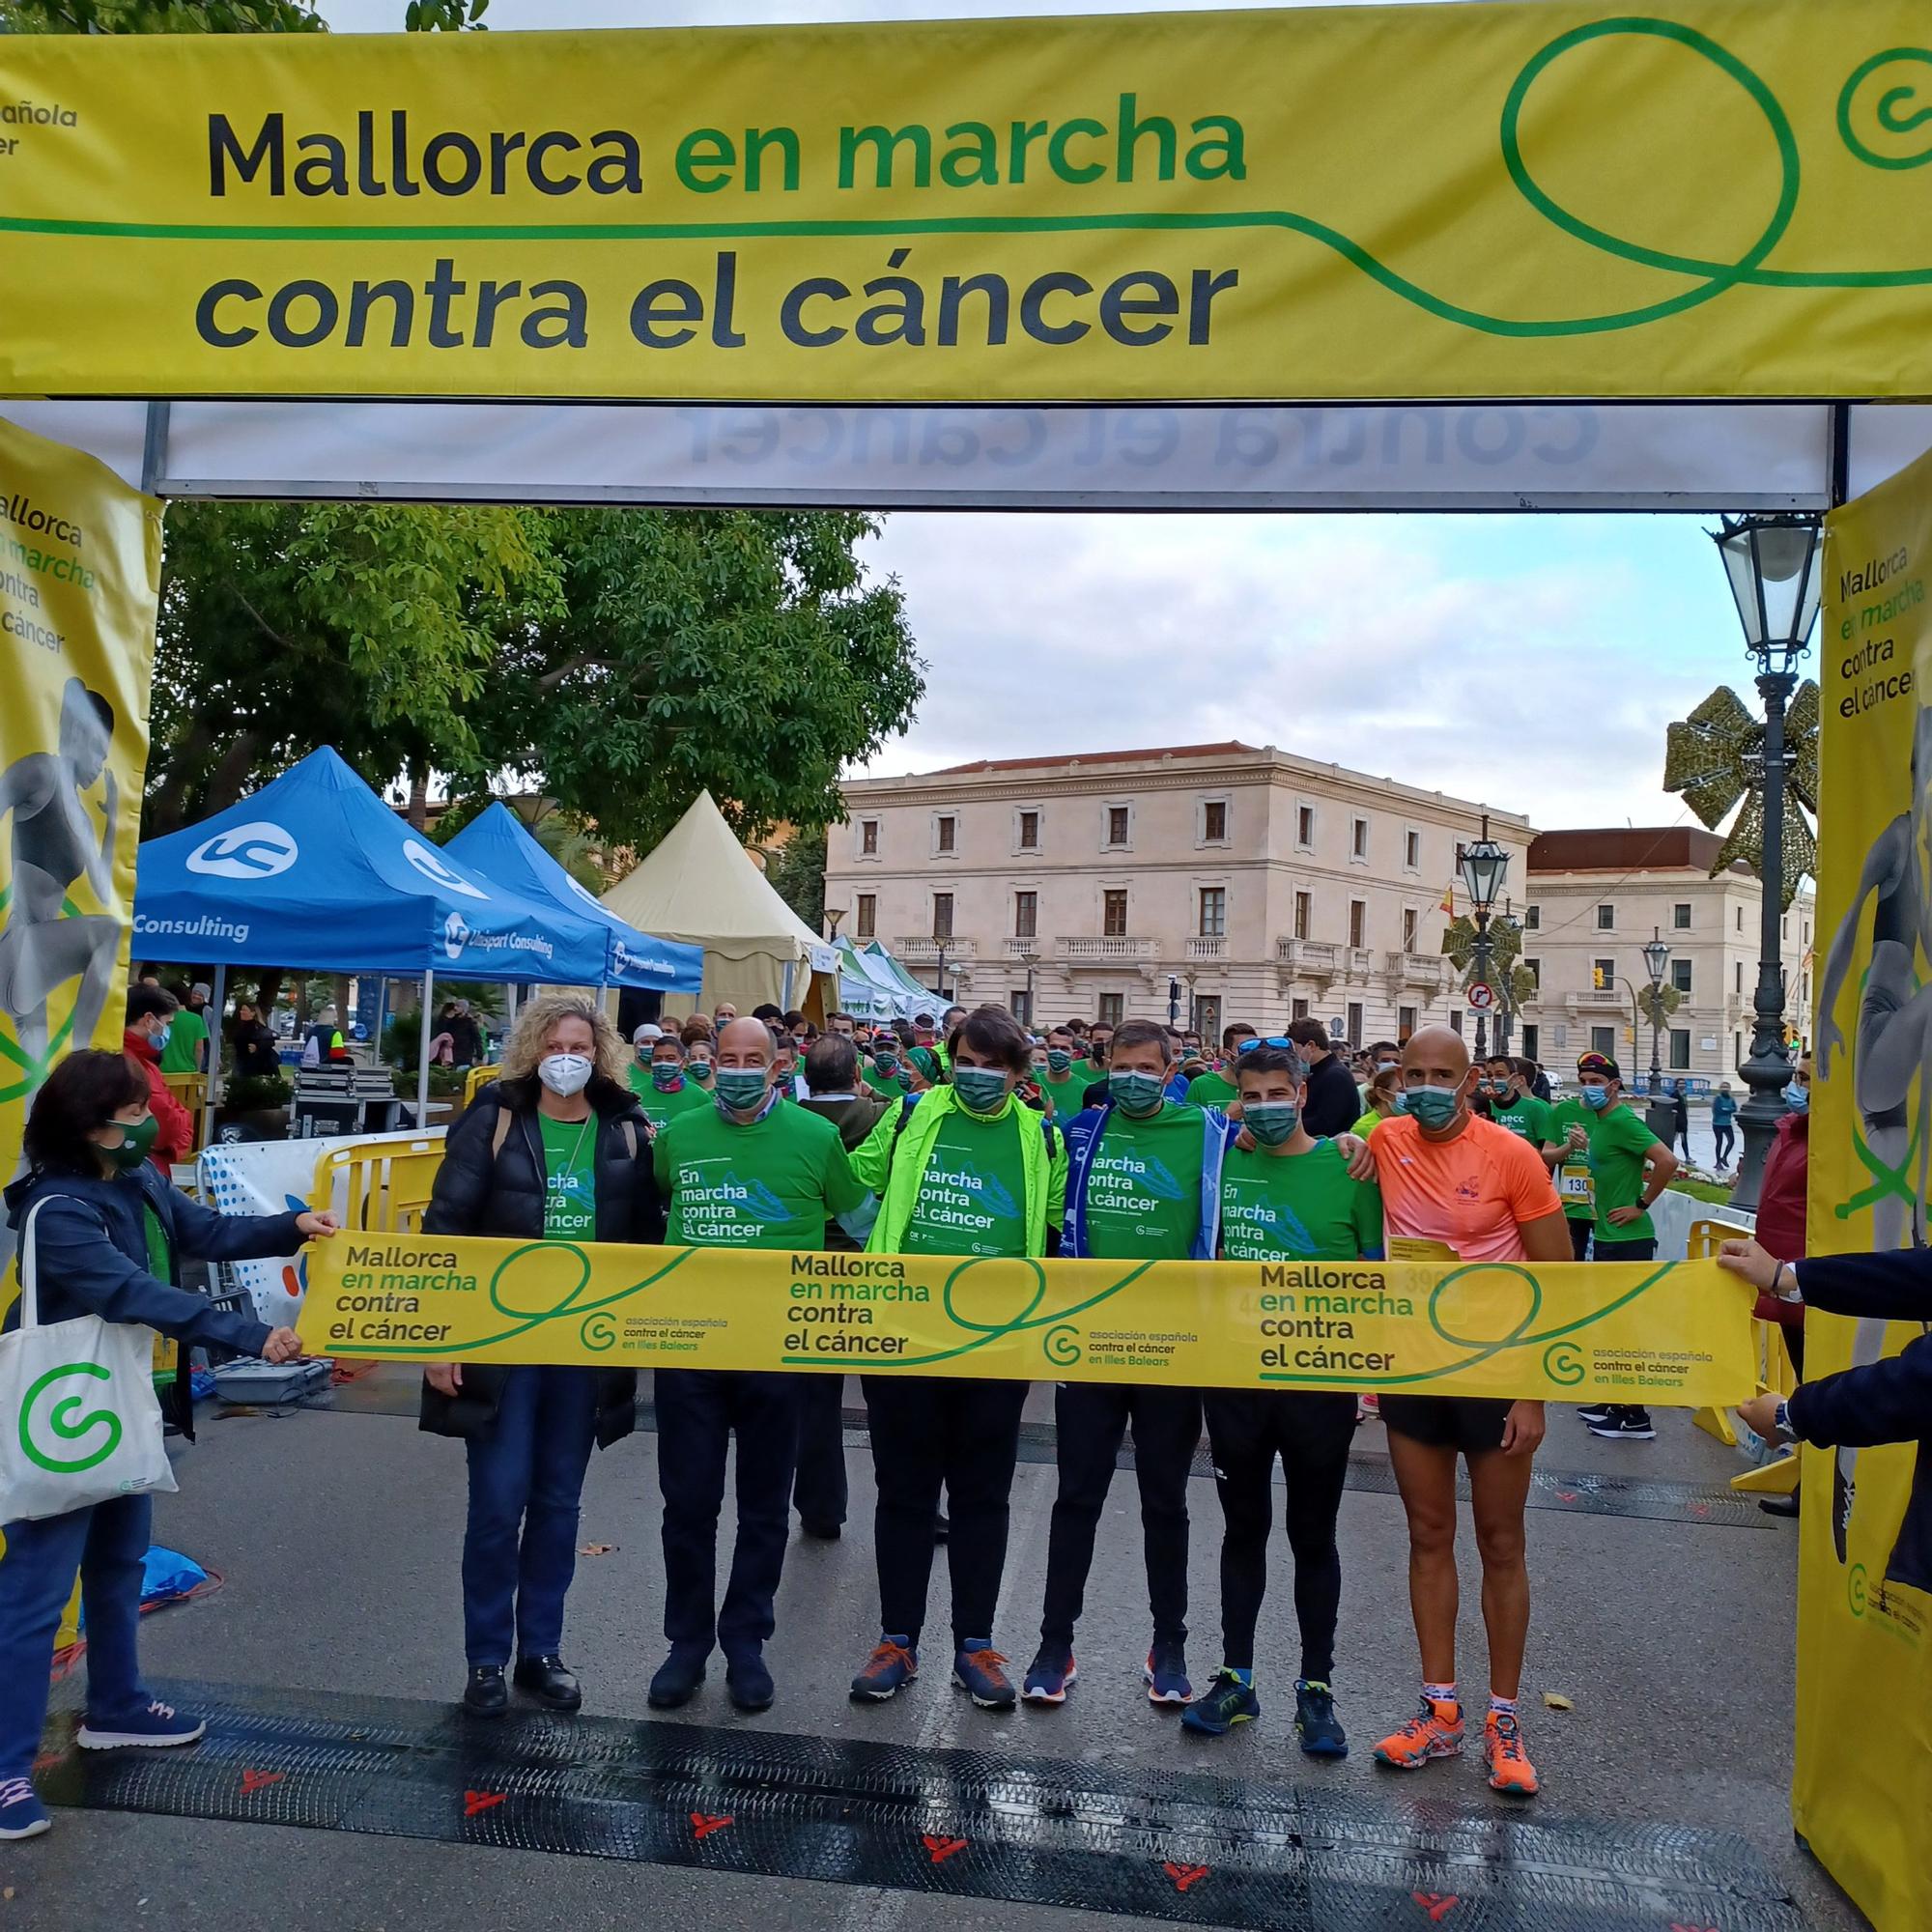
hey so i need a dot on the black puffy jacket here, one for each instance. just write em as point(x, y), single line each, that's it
point(483, 1188)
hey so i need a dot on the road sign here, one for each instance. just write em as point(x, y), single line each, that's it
point(1482, 997)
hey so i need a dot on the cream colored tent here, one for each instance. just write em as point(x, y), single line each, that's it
point(700, 885)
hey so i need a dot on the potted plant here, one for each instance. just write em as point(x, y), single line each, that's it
point(256, 1107)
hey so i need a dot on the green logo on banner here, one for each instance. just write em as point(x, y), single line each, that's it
point(62, 1419)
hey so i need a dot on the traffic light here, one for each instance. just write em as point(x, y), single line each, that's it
point(1597, 979)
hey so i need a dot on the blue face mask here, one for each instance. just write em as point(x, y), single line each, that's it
point(1271, 1122)
point(1136, 1092)
point(888, 1064)
point(161, 1038)
point(980, 1089)
point(667, 1075)
point(1597, 1098)
point(1432, 1106)
point(700, 1072)
point(1797, 1097)
point(1057, 1060)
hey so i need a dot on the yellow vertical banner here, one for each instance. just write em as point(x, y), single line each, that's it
point(81, 568)
point(1865, 1625)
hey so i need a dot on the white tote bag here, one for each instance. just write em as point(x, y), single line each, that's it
point(79, 1421)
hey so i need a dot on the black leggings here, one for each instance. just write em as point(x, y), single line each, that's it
point(1312, 1432)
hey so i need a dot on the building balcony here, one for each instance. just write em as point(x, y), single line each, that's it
point(1024, 947)
point(1603, 1000)
point(1427, 971)
point(927, 951)
point(1114, 949)
point(1359, 962)
point(1317, 958)
point(1205, 946)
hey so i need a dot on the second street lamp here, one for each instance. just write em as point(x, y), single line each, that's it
point(1662, 1115)
point(1483, 867)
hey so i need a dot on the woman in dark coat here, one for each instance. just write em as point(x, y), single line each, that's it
point(555, 1149)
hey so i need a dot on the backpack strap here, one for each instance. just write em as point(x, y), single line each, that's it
point(629, 1129)
point(505, 1118)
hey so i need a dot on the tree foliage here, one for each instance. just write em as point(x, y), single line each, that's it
point(796, 870)
point(162, 16)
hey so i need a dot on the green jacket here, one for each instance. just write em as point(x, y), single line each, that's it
point(892, 1159)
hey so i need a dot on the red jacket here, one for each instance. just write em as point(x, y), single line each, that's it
point(1781, 1209)
point(177, 1131)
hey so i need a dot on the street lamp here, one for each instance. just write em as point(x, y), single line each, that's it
point(1483, 866)
point(1655, 963)
point(1773, 566)
point(832, 915)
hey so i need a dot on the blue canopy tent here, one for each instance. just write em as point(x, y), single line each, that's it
point(501, 846)
point(314, 869)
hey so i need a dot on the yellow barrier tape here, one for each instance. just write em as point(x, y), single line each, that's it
point(1671, 1333)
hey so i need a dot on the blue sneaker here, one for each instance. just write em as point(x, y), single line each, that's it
point(1320, 1731)
point(975, 1669)
point(893, 1664)
point(156, 1729)
point(22, 1815)
point(1224, 1704)
point(1051, 1675)
point(1166, 1674)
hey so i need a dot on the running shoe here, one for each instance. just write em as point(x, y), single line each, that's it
point(1314, 1721)
point(1050, 1676)
point(1509, 1767)
point(975, 1669)
point(1166, 1675)
point(1435, 1731)
point(1596, 1411)
point(156, 1729)
point(22, 1815)
point(1625, 1425)
point(1225, 1703)
point(892, 1665)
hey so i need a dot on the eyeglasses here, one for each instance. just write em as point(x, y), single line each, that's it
point(1249, 1045)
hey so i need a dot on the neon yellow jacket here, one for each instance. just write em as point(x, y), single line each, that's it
point(892, 1157)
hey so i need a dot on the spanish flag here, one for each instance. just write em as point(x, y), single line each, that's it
point(1448, 905)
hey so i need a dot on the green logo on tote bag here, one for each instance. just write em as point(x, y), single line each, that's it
point(69, 1426)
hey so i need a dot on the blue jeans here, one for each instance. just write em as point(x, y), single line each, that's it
point(526, 1480)
point(108, 1545)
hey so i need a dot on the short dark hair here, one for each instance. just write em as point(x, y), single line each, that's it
point(794, 1018)
point(1131, 1034)
point(831, 1063)
point(1269, 1060)
point(144, 1001)
point(82, 1094)
point(1308, 1033)
point(1240, 1030)
point(995, 1033)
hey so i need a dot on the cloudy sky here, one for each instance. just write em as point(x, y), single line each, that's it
point(1529, 661)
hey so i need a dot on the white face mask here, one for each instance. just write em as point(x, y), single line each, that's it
point(565, 1073)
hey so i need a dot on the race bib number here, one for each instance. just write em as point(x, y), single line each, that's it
point(1576, 1185)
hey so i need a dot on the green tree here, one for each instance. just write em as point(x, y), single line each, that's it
point(162, 16)
point(740, 651)
point(796, 870)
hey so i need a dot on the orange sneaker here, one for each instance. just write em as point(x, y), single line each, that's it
point(1435, 1731)
point(1509, 1767)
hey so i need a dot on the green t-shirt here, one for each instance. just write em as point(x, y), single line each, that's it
point(1297, 1207)
point(1067, 1095)
point(1144, 1185)
point(1211, 1090)
point(1526, 1116)
point(884, 1083)
point(570, 1179)
point(971, 1191)
point(770, 1184)
point(661, 1109)
point(1611, 1175)
point(187, 1030)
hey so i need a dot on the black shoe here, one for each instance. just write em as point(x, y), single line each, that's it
point(677, 1677)
point(1625, 1425)
point(748, 1682)
point(820, 1532)
point(486, 1694)
point(1779, 1505)
point(941, 1528)
point(1596, 1411)
point(549, 1680)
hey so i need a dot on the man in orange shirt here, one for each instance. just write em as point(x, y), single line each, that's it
point(1485, 1194)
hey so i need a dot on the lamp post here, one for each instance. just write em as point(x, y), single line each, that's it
point(1483, 866)
point(1772, 565)
point(1661, 1119)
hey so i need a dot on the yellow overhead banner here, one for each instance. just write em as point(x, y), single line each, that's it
point(1724, 199)
point(1864, 1616)
point(1671, 1333)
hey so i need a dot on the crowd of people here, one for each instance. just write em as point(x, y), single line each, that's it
point(954, 1134)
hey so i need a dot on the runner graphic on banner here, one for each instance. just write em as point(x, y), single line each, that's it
point(80, 562)
point(1864, 1665)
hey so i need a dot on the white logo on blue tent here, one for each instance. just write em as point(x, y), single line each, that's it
point(437, 872)
point(620, 957)
point(455, 935)
point(257, 850)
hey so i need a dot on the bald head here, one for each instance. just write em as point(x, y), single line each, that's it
point(745, 1043)
point(1437, 1056)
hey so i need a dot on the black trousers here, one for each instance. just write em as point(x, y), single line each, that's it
point(1725, 1139)
point(698, 1411)
point(818, 1491)
point(928, 1432)
point(1091, 1421)
point(1579, 1237)
point(1312, 1432)
point(1625, 1250)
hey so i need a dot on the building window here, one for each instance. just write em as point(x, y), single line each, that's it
point(1606, 919)
point(1298, 1009)
point(868, 915)
point(1026, 915)
point(1304, 914)
point(1604, 1041)
point(1784, 926)
point(1531, 1043)
point(1021, 1002)
point(1741, 918)
point(1214, 912)
point(1358, 922)
point(1358, 839)
point(1532, 918)
point(1214, 822)
point(1604, 974)
point(868, 837)
point(1737, 1049)
point(1456, 1020)
point(1118, 817)
point(1534, 968)
point(1808, 933)
point(1114, 915)
point(1680, 918)
point(1411, 850)
point(1304, 826)
point(1680, 975)
point(1680, 1050)
point(941, 915)
point(1412, 923)
point(1405, 1022)
point(945, 834)
point(1028, 839)
point(1113, 1009)
point(1354, 1022)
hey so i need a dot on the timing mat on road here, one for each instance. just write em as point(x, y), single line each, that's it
point(1181, 1847)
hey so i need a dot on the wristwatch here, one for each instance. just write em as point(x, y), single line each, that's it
point(1780, 1421)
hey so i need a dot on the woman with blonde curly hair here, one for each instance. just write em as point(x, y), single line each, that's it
point(555, 1148)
